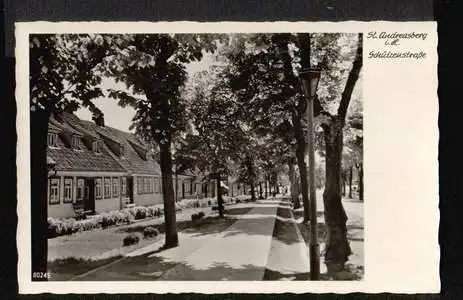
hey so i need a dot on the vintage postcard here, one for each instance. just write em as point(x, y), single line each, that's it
point(227, 157)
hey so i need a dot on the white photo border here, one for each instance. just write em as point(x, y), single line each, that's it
point(401, 175)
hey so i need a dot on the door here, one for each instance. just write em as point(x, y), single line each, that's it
point(89, 194)
point(130, 189)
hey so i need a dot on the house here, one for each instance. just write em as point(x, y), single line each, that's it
point(96, 168)
point(193, 184)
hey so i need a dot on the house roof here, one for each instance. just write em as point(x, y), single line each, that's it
point(63, 126)
point(131, 161)
point(53, 128)
point(87, 160)
point(68, 159)
point(74, 122)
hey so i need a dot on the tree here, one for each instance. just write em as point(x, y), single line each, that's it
point(152, 67)
point(220, 134)
point(247, 172)
point(337, 55)
point(337, 247)
point(62, 78)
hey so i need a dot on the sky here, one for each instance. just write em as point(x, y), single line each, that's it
point(121, 118)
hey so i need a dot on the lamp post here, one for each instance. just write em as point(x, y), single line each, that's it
point(310, 79)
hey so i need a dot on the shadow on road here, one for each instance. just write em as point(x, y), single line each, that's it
point(299, 213)
point(258, 215)
point(147, 267)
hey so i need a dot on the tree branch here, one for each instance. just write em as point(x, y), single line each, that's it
point(351, 80)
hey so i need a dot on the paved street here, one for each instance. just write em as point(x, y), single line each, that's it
point(246, 250)
point(256, 241)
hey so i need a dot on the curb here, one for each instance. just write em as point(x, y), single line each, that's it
point(302, 242)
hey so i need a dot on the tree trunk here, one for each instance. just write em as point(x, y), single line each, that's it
point(260, 190)
point(350, 181)
point(304, 185)
point(337, 246)
point(300, 153)
point(219, 197)
point(343, 183)
point(361, 181)
point(170, 223)
point(176, 185)
point(294, 187)
point(253, 192)
point(266, 188)
point(39, 185)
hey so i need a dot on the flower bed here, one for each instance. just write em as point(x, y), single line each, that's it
point(194, 203)
point(59, 227)
point(207, 202)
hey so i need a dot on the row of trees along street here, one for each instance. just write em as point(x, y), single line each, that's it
point(244, 116)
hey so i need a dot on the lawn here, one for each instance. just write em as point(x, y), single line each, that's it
point(92, 244)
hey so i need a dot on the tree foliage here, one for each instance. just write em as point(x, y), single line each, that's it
point(63, 71)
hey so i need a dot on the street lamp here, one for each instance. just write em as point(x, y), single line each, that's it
point(310, 79)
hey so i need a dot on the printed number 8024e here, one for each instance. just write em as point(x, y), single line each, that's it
point(40, 275)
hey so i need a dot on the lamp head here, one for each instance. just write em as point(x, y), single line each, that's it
point(310, 79)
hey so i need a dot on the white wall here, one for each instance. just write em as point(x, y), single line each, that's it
point(146, 199)
point(66, 210)
point(60, 210)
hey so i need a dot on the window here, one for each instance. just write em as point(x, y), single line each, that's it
point(122, 150)
point(52, 139)
point(54, 190)
point(204, 188)
point(145, 185)
point(80, 189)
point(98, 188)
point(107, 187)
point(124, 187)
point(115, 186)
point(96, 146)
point(157, 185)
point(67, 194)
point(76, 142)
point(140, 185)
point(187, 186)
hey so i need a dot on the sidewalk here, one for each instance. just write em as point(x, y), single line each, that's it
point(235, 248)
point(288, 258)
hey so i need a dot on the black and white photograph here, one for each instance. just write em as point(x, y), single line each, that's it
point(215, 153)
point(197, 156)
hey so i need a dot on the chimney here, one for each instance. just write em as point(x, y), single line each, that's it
point(99, 120)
